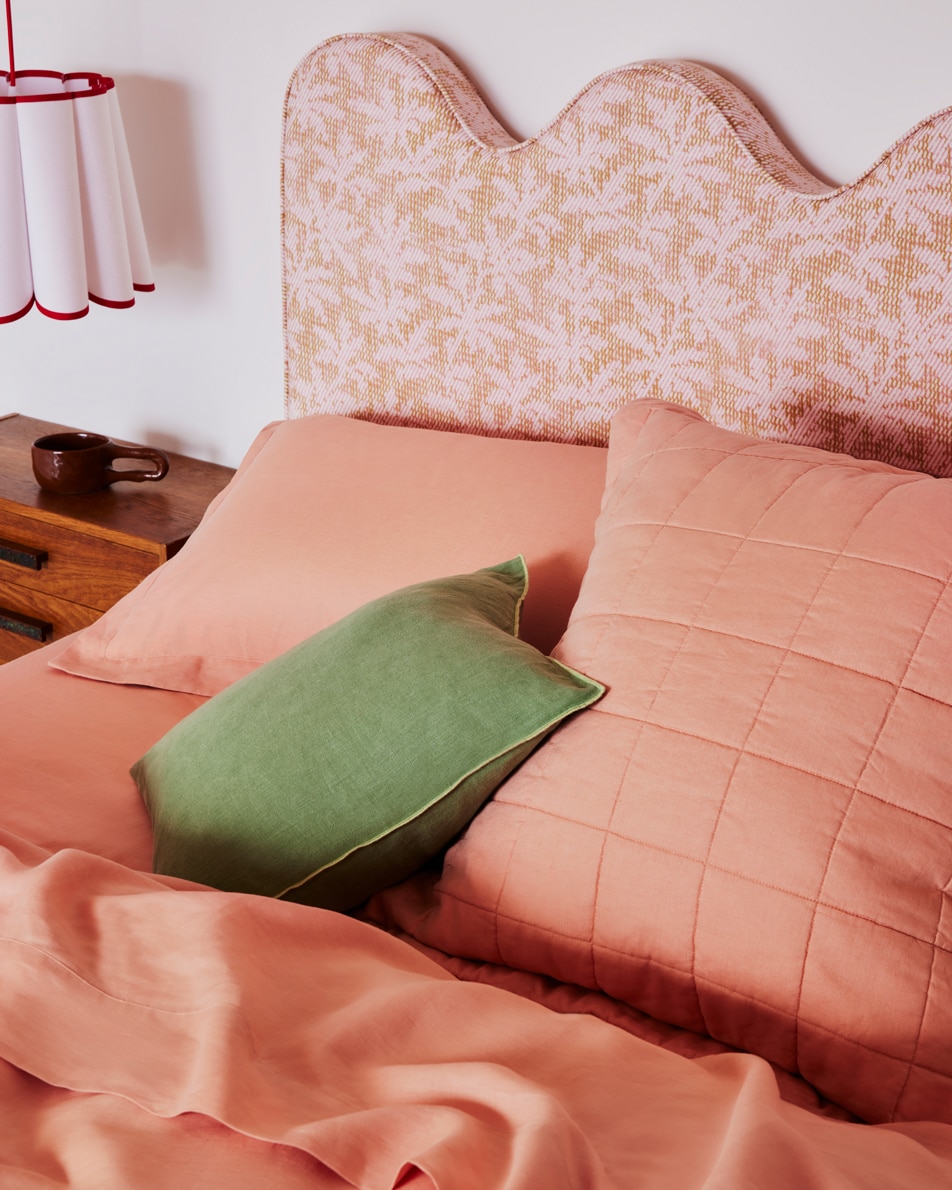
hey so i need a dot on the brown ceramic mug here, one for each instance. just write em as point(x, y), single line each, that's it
point(76, 462)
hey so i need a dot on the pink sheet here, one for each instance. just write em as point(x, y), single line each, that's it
point(174, 1011)
point(66, 745)
point(156, 1035)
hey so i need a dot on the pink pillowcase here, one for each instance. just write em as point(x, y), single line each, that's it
point(326, 513)
point(751, 834)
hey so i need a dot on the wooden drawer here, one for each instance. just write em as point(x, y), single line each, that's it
point(63, 616)
point(64, 560)
point(79, 566)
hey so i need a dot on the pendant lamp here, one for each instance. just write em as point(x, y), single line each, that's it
point(70, 227)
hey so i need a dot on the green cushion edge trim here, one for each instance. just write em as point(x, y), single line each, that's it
point(595, 692)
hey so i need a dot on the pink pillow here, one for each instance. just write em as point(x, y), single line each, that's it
point(751, 834)
point(326, 513)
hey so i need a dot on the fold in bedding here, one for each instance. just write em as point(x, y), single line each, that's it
point(335, 1052)
point(156, 1034)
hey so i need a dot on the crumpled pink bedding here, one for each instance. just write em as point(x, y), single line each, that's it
point(156, 1034)
point(334, 1051)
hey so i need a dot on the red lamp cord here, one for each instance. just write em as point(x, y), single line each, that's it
point(12, 72)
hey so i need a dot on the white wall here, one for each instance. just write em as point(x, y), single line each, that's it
point(197, 365)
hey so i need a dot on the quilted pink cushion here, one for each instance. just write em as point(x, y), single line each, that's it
point(751, 835)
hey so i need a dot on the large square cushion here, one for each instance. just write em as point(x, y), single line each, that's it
point(751, 834)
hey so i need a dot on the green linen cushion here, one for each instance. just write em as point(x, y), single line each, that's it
point(343, 765)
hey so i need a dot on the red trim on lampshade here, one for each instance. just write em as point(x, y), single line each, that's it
point(150, 288)
point(60, 316)
point(113, 305)
point(34, 86)
point(20, 313)
point(99, 84)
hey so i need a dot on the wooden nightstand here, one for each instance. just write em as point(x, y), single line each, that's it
point(64, 560)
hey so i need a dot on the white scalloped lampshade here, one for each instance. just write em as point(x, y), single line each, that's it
point(70, 227)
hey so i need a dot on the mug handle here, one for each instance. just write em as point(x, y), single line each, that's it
point(159, 457)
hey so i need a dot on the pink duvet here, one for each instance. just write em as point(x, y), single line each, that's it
point(333, 1051)
point(155, 1034)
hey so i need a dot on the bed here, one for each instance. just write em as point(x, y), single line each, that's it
point(534, 772)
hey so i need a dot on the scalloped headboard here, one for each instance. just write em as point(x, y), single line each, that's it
point(656, 239)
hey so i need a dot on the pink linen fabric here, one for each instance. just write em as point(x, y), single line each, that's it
point(326, 513)
point(751, 835)
point(89, 803)
point(654, 239)
point(66, 747)
point(229, 1038)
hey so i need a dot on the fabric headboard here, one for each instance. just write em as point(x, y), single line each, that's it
point(656, 239)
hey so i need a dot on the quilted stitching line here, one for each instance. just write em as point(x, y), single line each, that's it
point(669, 445)
point(622, 599)
point(726, 870)
point(708, 980)
point(759, 448)
point(814, 458)
point(543, 756)
point(853, 794)
point(754, 719)
point(748, 751)
point(935, 940)
point(788, 652)
point(913, 1061)
point(799, 548)
point(494, 912)
point(821, 1028)
point(582, 940)
point(871, 1049)
point(617, 492)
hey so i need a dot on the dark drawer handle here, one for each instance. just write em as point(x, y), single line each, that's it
point(22, 555)
point(25, 625)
